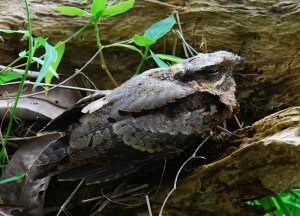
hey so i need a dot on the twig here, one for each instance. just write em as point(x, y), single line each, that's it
point(194, 155)
point(180, 29)
point(63, 42)
point(88, 79)
point(108, 200)
point(189, 47)
point(28, 130)
point(149, 206)
point(203, 45)
point(174, 44)
point(28, 137)
point(161, 177)
point(52, 85)
point(31, 74)
point(69, 198)
point(224, 130)
point(117, 195)
point(238, 122)
point(170, 6)
point(1, 140)
point(66, 80)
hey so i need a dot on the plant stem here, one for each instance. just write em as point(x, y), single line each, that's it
point(12, 114)
point(63, 42)
point(102, 60)
point(51, 85)
point(11, 64)
point(139, 68)
point(76, 33)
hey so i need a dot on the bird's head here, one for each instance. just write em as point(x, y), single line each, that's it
point(210, 72)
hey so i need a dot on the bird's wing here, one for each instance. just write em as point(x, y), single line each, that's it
point(142, 92)
point(73, 114)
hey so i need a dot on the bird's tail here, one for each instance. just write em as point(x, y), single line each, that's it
point(47, 160)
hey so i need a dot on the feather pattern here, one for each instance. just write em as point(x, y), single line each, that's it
point(158, 114)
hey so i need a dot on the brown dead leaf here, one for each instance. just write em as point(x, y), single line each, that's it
point(38, 106)
point(25, 191)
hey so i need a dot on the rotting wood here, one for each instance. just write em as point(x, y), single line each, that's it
point(264, 32)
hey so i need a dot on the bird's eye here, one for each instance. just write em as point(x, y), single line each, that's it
point(212, 72)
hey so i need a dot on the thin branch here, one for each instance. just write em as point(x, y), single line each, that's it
point(174, 45)
point(108, 200)
point(31, 74)
point(224, 130)
point(170, 6)
point(238, 122)
point(70, 197)
point(194, 155)
point(149, 206)
point(52, 85)
point(63, 42)
point(29, 137)
point(203, 45)
point(189, 47)
point(66, 80)
point(180, 29)
point(117, 195)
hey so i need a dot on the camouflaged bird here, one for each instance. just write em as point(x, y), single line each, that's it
point(154, 115)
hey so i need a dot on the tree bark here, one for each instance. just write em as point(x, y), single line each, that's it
point(265, 32)
point(265, 162)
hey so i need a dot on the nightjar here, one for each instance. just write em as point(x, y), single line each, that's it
point(155, 115)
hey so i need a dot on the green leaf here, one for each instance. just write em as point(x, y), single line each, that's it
point(72, 11)
point(118, 8)
point(9, 31)
point(129, 47)
point(50, 57)
point(97, 8)
point(39, 41)
point(160, 28)
point(281, 206)
point(9, 76)
point(38, 60)
point(143, 41)
point(158, 61)
point(60, 49)
point(23, 53)
point(13, 178)
point(170, 58)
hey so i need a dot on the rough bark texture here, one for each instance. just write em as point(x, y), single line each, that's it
point(268, 149)
point(265, 32)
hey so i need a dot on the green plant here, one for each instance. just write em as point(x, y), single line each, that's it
point(99, 10)
point(287, 204)
point(53, 54)
point(3, 153)
point(150, 37)
point(13, 178)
